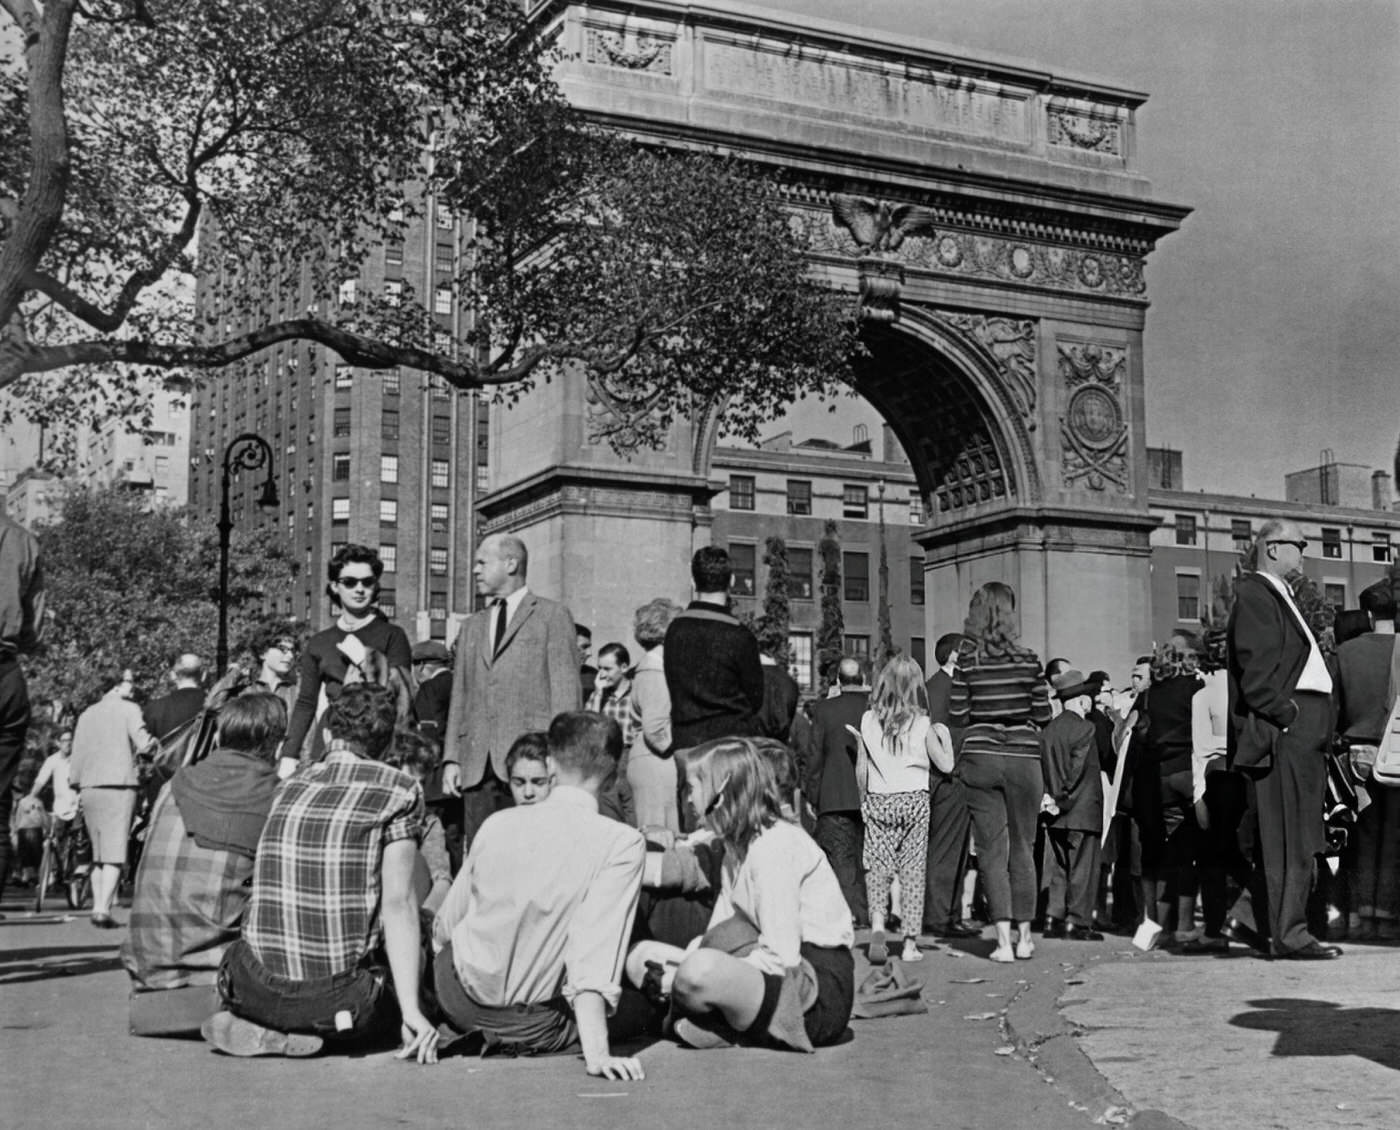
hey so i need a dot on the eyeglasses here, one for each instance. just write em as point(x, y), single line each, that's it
point(356, 582)
point(1298, 545)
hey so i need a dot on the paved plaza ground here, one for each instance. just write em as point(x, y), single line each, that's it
point(1083, 1034)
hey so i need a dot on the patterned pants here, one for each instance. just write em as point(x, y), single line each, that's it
point(896, 843)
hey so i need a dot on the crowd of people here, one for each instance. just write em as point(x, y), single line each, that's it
point(503, 847)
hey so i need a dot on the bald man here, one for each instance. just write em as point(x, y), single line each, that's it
point(516, 668)
point(168, 713)
point(1279, 727)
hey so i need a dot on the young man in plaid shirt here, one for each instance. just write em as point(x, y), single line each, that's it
point(331, 945)
point(612, 692)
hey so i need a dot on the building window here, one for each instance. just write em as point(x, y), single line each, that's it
point(799, 496)
point(340, 423)
point(389, 554)
point(1185, 529)
point(1241, 533)
point(855, 501)
point(393, 253)
point(855, 576)
point(917, 652)
point(393, 292)
point(388, 468)
point(1380, 548)
point(344, 376)
point(443, 254)
point(438, 474)
point(437, 517)
point(347, 293)
point(437, 562)
point(442, 429)
point(916, 508)
point(741, 561)
point(442, 300)
point(1188, 597)
point(388, 601)
point(799, 574)
point(391, 383)
point(916, 580)
point(741, 492)
point(388, 511)
point(340, 467)
point(1335, 593)
point(800, 667)
point(857, 646)
point(340, 511)
point(389, 424)
point(444, 218)
point(1331, 542)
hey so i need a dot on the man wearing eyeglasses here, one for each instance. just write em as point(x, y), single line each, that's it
point(1279, 726)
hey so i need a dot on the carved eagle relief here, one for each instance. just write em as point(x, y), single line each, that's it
point(878, 225)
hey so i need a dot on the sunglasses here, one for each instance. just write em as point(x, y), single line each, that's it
point(1298, 545)
point(356, 582)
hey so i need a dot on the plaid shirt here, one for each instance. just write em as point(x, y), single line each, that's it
point(619, 707)
point(316, 883)
point(188, 906)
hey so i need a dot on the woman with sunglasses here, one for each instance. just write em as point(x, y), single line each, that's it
point(327, 661)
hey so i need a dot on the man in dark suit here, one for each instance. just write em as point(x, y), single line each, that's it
point(1279, 726)
point(1069, 763)
point(831, 783)
point(168, 713)
point(948, 815)
point(516, 668)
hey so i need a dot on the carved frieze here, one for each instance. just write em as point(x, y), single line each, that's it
point(1094, 426)
point(619, 413)
point(950, 251)
point(641, 51)
point(1089, 132)
point(1012, 344)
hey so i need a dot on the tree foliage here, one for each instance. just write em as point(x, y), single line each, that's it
point(298, 138)
point(773, 626)
point(131, 586)
point(831, 632)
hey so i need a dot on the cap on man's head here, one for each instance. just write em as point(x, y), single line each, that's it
point(1070, 684)
point(431, 651)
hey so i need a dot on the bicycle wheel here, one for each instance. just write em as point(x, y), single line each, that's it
point(45, 871)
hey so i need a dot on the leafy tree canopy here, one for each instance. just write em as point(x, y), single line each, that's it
point(297, 138)
point(131, 586)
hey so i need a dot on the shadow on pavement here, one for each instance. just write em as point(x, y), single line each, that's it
point(40, 964)
point(1321, 1028)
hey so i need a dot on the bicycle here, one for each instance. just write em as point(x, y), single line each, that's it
point(65, 845)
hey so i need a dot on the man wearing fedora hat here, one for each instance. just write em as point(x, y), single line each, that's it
point(1069, 762)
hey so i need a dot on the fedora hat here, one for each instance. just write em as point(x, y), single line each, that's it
point(1072, 684)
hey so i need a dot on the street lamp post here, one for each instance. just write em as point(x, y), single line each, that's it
point(882, 607)
point(247, 452)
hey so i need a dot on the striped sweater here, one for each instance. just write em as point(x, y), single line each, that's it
point(1000, 703)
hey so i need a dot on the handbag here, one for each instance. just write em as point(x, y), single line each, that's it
point(1386, 770)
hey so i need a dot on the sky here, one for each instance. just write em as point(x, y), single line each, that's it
point(1272, 333)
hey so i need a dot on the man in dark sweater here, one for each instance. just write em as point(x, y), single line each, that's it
point(1069, 762)
point(168, 713)
point(948, 815)
point(830, 783)
point(711, 661)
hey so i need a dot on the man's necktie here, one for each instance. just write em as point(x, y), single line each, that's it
point(498, 633)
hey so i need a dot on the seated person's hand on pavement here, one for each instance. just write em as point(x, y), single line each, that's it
point(618, 1067)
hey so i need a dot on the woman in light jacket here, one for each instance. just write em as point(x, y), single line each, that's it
point(651, 771)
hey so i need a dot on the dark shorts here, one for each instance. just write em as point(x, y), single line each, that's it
point(363, 999)
point(829, 1014)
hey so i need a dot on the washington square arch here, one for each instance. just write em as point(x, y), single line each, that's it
point(992, 222)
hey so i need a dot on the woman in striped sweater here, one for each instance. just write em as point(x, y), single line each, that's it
point(999, 702)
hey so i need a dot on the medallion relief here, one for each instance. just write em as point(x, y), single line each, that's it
point(1094, 427)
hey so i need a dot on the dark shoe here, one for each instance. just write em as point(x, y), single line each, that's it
point(1054, 928)
point(1078, 933)
point(1205, 945)
point(894, 924)
point(1313, 951)
point(1237, 931)
point(105, 922)
point(233, 1035)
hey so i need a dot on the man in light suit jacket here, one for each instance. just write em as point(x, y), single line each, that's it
point(516, 668)
point(1279, 726)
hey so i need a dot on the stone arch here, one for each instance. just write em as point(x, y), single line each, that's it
point(965, 427)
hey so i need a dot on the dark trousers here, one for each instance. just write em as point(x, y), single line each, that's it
point(14, 724)
point(489, 796)
point(1072, 860)
point(1003, 795)
point(1288, 809)
point(1221, 858)
point(948, 822)
point(358, 1004)
point(842, 836)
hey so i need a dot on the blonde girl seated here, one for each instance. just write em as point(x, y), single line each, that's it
point(775, 967)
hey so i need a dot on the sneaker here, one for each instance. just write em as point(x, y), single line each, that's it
point(911, 951)
point(1025, 949)
point(233, 1035)
point(879, 952)
point(701, 1039)
point(1004, 955)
